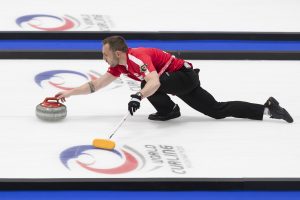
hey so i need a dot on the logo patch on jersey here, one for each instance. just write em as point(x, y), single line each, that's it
point(143, 68)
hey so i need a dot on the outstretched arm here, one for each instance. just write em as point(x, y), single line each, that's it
point(88, 87)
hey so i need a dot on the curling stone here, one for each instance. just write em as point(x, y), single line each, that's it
point(51, 110)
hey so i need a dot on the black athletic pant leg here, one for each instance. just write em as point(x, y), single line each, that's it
point(186, 85)
point(204, 102)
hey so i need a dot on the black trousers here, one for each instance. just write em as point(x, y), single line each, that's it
point(186, 85)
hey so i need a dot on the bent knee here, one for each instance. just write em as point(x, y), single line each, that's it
point(217, 116)
point(217, 111)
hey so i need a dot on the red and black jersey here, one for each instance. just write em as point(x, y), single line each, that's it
point(141, 61)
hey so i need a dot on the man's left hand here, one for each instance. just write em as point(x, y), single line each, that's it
point(134, 103)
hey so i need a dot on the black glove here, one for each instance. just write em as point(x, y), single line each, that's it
point(134, 103)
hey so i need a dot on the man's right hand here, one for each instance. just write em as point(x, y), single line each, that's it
point(63, 95)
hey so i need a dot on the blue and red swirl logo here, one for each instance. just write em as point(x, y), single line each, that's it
point(47, 22)
point(103, 161)
point(69, 79)
point(57, 78)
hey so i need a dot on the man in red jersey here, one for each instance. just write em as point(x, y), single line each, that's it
point(161, 74)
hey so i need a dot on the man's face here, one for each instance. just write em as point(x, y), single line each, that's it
point(109, 56)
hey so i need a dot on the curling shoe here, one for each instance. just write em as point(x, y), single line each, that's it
point(276, 111)
point(164, 117)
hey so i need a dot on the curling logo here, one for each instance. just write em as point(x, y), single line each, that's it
point(48, 22)
point(125, 160)
point(57, 78)
point(69, 79)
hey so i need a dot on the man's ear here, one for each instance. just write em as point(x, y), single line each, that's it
point(118, 54)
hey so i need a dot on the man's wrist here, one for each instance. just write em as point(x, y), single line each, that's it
point(139, 94)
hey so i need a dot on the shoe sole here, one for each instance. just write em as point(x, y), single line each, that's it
point(275, 102)
point(157, 119)
point(289, 119)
